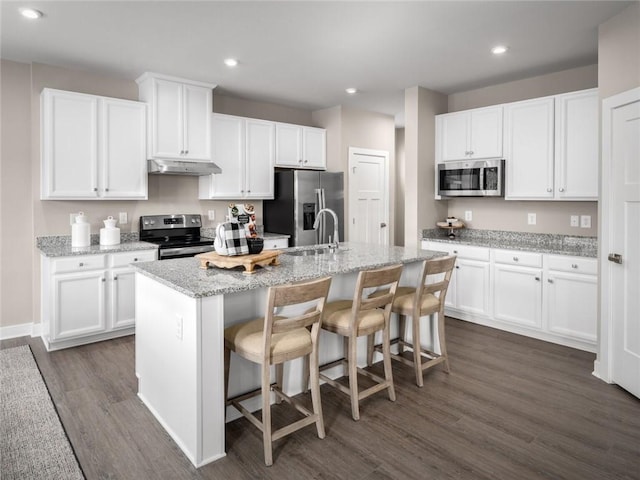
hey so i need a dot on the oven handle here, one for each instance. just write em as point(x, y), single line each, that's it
point(169, 252)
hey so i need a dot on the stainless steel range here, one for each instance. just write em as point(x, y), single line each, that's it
point(176, 235)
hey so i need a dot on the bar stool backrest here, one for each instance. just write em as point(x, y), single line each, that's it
point(367, 279)
point(431, 267)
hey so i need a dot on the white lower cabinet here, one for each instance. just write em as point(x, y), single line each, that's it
point(517, 287)
point(88, 298)
point(468, 291)
point(571, 297)
point(550, 297)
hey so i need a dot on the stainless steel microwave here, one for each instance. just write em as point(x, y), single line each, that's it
point(471, 178)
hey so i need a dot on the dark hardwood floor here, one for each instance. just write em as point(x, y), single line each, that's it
point(512, 408)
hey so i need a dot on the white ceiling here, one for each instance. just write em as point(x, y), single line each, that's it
point(304, 54)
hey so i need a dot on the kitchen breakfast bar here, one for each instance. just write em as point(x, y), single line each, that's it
point(182, 311)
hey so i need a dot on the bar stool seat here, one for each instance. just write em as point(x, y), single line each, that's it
point(273, 340)
point(337, 318)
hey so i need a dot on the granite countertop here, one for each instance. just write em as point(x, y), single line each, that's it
point(60, 245)
point(532, 242)
point(186, 276)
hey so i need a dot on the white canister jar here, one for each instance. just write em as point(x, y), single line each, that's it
point(80, 231)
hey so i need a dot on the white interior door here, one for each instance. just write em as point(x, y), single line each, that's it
point(621, 247)
point(368, 196)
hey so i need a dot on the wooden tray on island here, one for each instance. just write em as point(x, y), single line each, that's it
point(264, 258)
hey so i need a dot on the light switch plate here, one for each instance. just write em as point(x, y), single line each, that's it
point(122, 218)
point(585, 221)
point(575, 221)
point(468, 215)
point(531, 218)
point(212, 215)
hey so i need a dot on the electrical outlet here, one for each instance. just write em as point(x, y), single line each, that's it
point(212, 215)
point(575, 221)
point(531, 218)
point(72, 218)
point(585, 221)
point(468, 215)
point(122, 218)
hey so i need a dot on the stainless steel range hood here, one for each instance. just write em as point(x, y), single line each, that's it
point(181, 167)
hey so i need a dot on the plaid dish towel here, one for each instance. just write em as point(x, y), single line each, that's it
point(235, 239)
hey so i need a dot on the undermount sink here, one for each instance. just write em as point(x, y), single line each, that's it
point(314, 251)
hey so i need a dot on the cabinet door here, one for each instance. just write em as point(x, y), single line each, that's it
point(529, 149)
point(167, 122)
point(452, 135)
point(315, 148)
point(69, 145)
point(198, 107)
point(78, 304)
point(517, 295)
point(486, 133)
point(260, 152)
point(122, 298)
point(572, 305)
point(288, 145)
point(577, 146)
point(472, 286)
point(123, 149)
point(228, 154)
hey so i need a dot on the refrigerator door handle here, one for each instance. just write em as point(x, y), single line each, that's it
point(323, 204)
point(319, 200)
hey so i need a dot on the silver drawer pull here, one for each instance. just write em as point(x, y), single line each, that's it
point(537, 279)
point(81, 264)
point(135, 259)
point(550, 280)
point(574, 265)
point(455, 251)
point(115, 277)
point(515, 259)
point(103, 279)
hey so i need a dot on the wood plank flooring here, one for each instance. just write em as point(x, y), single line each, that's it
point(512, 408)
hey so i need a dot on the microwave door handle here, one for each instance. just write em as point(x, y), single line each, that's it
point(481, 184)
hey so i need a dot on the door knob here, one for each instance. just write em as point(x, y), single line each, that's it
point(382, 225)
point(615, 258)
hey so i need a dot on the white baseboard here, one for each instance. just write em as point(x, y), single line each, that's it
point(22, 330)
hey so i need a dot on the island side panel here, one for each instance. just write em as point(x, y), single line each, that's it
point(169, 358)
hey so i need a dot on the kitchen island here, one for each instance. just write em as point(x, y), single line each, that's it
point(181, 313)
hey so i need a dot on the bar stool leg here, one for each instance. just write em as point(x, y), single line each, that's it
point(279, 377)
point(370, 343)
point(353, 377)
point(401, 333)
point(305, 373)
point(227, 361)
point(266, 414)
point(442, 341)
point(417, 357)
point(386, 354)
point(315, 392)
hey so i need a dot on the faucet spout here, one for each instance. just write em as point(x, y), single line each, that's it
point(323, 211)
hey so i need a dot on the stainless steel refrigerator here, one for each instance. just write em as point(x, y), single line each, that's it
point(299, 195)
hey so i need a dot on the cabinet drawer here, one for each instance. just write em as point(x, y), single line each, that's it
point(124, 259)
point(462, 251)
point(275, 243)
point(78, 264)
point(572, 264)
point(514, 257)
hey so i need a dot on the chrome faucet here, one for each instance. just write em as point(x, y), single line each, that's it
point(336, 240)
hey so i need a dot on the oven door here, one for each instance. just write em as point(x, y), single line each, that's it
point(471, 179)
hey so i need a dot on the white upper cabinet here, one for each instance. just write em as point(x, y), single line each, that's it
point(528, 149)
point(301, 147)
point(577, 146)
point(551, 147)
point(244, 149)
point(179, 117)
point(92, 147)
point(471, 134)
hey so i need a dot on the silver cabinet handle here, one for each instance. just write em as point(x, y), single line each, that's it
point(516, 259)
point(115, 277)
point(186, 152)
point(455, 251)
point(135, 259)
point(248, 191)
point(95, 189)
point(103, 279)
point(106, 189)
point(615, 258)
point(561, 189)
point(81, 264)
point(382, 225)
point(549, 280)
point(549, 190)
point(457, 266)
point(537, 279)
point(574, 265)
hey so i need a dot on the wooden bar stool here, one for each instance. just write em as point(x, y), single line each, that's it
point(273, 340)
point(359, 317)
point(425, 299)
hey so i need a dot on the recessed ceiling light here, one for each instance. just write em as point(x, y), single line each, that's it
point(30, 13)
point(230, 62)
point(351, 90)
point(499, 49)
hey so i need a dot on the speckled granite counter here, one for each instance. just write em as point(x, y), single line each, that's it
point(60, 245)
point(185, 276)
point(533, 242)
